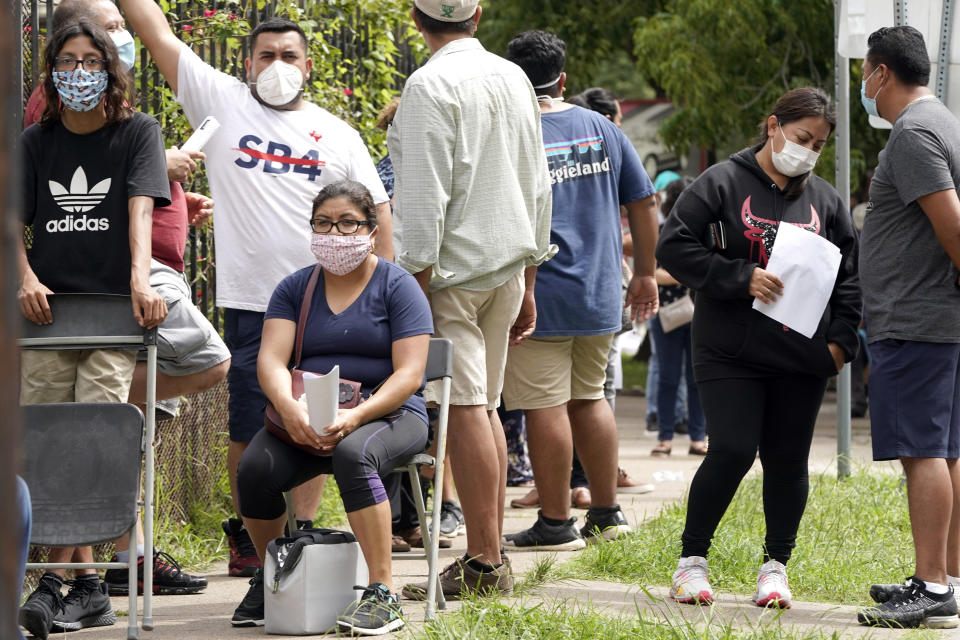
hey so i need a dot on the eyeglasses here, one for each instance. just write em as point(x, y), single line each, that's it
point(66, 63)
point(346, 227)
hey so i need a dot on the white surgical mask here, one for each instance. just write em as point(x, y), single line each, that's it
point(126, 47)
point(279, 85)
point(794, 159)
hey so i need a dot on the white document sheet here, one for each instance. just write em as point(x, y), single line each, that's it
point(323, 398)
point(807, 264)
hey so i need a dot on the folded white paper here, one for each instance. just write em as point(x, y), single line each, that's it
point(323, 398)
point(807, 264)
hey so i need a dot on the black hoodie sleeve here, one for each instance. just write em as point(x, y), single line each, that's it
point(681, 249)
point(846, 302)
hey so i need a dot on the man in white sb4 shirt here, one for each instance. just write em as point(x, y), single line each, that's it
point(272, 154)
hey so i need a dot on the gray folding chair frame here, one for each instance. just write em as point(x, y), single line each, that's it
point(439, 367)
point(100, 321)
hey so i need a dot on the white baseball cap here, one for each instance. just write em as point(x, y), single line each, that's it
point(448, 10)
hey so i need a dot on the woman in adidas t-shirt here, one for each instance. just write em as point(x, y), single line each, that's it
point(93, 168)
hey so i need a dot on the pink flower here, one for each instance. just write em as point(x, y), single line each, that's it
point(207, 13)
point(187, 27)
point(27, 29)
point(232, 16)
point(348, 92)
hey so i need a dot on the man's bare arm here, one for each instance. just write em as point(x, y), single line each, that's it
point(943, 210)
point(149, 23)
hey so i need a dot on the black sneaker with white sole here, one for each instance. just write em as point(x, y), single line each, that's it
point(376, 613)
point(46, 601)
point(882, 592)
point(604, 522)
point(913, 606)
point(249, 613)
point(546, 537)
point(85, 605)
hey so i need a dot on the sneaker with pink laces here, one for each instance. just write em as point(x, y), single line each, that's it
point(690, 584)
point(772, 587)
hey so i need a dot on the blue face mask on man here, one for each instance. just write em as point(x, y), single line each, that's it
point(869, 104)
point(126, 47)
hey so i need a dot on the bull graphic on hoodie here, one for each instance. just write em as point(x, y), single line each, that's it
point(761, 232)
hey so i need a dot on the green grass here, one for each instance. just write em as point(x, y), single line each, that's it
point(492, 619)
point(634, 373)
point(854, 533)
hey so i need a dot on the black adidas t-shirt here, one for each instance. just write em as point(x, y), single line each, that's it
point(75, 198)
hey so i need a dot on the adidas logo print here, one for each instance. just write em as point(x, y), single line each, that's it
point(78, 199)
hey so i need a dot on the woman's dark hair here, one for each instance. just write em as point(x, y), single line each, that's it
point(597, 99)
point(277, 25)
point(118, 96)
point(385, 119)
point(353, 191)
point(673, 191)
point(798, 104)
point(541, 55)
point(903, 51)
point(440, 27)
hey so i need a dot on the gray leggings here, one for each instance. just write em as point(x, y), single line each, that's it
point(269, 466)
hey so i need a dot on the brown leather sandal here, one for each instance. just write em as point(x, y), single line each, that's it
point(697, 449)
point(662, 449)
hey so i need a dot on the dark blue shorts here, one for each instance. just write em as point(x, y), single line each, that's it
point(914, 399)
point(241, 332)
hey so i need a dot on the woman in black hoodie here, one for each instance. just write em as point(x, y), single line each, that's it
point(761, 383)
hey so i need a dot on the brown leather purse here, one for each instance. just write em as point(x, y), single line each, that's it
point(350, 391)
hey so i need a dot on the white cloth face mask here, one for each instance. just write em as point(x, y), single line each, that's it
point(794, 159)
point(279, 85)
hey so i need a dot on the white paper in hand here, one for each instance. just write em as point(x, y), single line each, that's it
point(807, 264)
point(323, 398)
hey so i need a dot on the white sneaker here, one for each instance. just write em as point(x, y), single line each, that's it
point(690, 584)
point(772, 587)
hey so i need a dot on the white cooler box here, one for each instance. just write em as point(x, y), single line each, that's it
point(317, 570)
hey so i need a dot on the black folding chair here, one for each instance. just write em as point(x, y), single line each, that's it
point(90, 494)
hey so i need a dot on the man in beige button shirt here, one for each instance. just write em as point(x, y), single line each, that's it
point(473, 199)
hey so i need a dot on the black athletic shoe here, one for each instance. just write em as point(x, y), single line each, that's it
point(883, 592)
point(451, 519)
point(243, 555)
point(546, 537)
point(913, 606)
point(85, 605)
point(604, 524)
point(249, 613)
point(46, 601)
point(376, 613)
point(652, 426)
point(168, 578)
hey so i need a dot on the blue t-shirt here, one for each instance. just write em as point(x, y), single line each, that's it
point(593, 169)
point(360, 338)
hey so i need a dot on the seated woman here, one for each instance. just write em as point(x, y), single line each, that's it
point(371, 318)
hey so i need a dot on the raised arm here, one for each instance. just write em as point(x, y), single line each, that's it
point(149, 23)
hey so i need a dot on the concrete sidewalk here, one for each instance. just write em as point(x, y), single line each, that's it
point(207, 615)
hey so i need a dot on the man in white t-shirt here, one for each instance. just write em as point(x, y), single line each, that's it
point(273, 153)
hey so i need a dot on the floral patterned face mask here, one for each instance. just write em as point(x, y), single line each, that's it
point(80, 90)
point(340, 254)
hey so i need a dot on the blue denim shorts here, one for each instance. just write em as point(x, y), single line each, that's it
point(914, 399)
point(241, 332)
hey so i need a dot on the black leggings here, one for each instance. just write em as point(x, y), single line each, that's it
point(775, 415)
point(269, 466)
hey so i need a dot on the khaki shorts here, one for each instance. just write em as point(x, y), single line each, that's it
point(90, 375)
point(478, 323)
point(549, 372)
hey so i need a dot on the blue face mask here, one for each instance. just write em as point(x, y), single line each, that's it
point(869, 104)
point(126, 47)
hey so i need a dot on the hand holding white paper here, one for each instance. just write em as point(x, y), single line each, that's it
point(807, 264)
point(201, 135)
point(323, 398)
